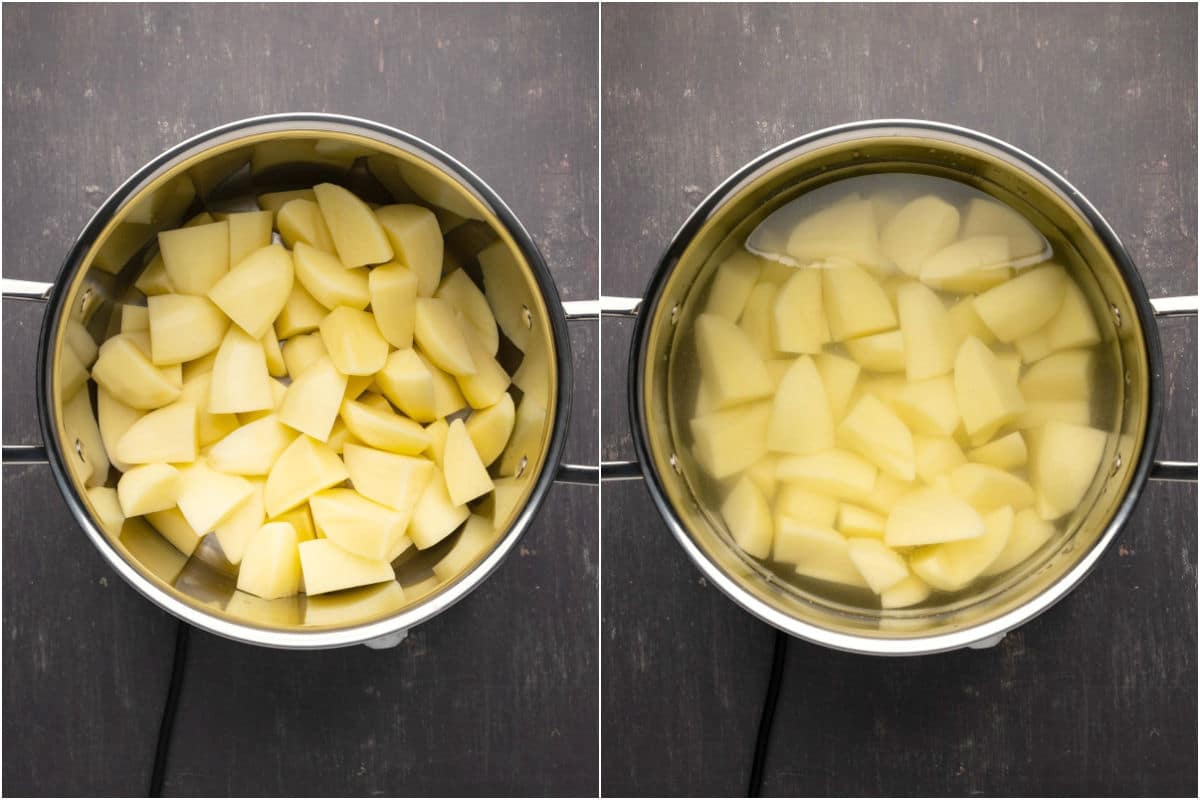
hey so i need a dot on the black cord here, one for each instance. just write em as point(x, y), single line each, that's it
point(167, 726)
point(768, 715)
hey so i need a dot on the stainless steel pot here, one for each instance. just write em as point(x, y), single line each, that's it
point(1115, 291)
point(224, 169)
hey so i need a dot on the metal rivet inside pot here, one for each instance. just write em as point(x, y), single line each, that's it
point(521, 466)
point(1116, 312)
point(527, 316)
point(79, 451)
point(674, 463)
point(1116, 464)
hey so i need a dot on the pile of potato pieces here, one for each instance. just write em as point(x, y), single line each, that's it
point(262, 377)
point(908, 413)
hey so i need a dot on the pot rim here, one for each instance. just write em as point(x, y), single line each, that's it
point(432, 605)
point(982, 634)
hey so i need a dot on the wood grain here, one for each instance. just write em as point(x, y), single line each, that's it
point(1098, 696)
point(499, 695)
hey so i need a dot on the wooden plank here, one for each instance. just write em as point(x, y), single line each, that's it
point(499, 695)
point(1099, 695)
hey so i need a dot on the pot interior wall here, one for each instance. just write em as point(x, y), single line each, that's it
point(669, 380)
point(227, 176)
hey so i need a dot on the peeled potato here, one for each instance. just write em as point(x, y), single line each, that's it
point(270, 566)
point(357, 235)
point(1018, 308)
point(466, 298)
point(353, 341)
point(134, 318)
point(801, 418)
point(248, 231)
point(799, 318)
point(987, 218)
point(1060, 377)
point(273, 201)
point(306, 467)
point(240, 380)
point(853, 521)
point(407, 382)
point(208, 497)
point(732, 367)
point(147, 488)
point(127, 373)
point(300, 221)
point(1029, 533)
point(357, 524)
point(393, 292)
point(929, 341)
point(728, 441)
point(435, 516)
point(839, 377)
point(908, 592)
point(383, 429)
point(931, 516)
point(936, 456)
point(330, 283)
point(490, 381)
point(953, 565)
point(855, 303)
point(748, 518)
point(437, 332)
point(1065, 460)
point(166, 434)
point(843, 231)
point(815, 552)
point(302, 351)
point(986, 487)
point(874, 431)
point(987, 397)
point(313, 399)
point(731, 285)
point(394, 480)
point(490, 428)
point(880, 352)
point(1007, 452)
point(108, 509)
point(254, 292)
point(233, 533)
point(466, 476)
point(175, 529)
point(835, 472)
point(1073, 325)
point(195, 258)
point(918, 230)
point(114, 418)
point(416, 239)
point(965, 259)
point(881, 566)
point(301, 313)
point(253, 448)
point(329, 568)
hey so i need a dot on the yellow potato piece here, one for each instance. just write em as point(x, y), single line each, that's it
point(801, 419)
point(383, 429)
point(273, 201)
point(953, 565)
point(233, 533)
point(353, 341)
point(393, 290)
point(195, 258)
point(248, 231)
point(748, 518)
point(301, 313)
point(305, 468)
point(490, 428)
point(1060, 377)
point(167, 434)
point(731, 285)
point(407, 382)
point(447, 397)
point(357, 235)
point(253, 448)
point(126, 372)
point(300, 221)
point(114, 418)
point(1065, 460)
point(816, 552)
point(880, 566)
point(270, 566)
point(763, 475)
point(916, 231)
point(837, 473)
point(153, 279)
point(146, 488)
point(507, 293)
point(853, 521)
point(931, 516)
point(1018, 308)
point(1029, 533)
point(797, 502)
point(965, 259)
point(758, 320)
point(839, 376)
point(881, 352)
point(313, 399)
point(437, 431)
point(986, 487)
point(416, 239)
point(394, 480)
point(729, 363)
point(1034, 347)
point(437, 332)
point(276, 366)
point(726, 442)
point(1038, 412)
point(135, 318)
point(207, 497)
point(908, 592)
point(466, 476)
point(302, 351)
point(466, 298)
point(965, 321)
point(490, 382)
point(476, 539)
point(855, 303)
point(929, 340)
point(799, 319)
point(987, 396)
point(329, 568)
point(176, 530)
point(71, 373)
point(240, 380)
point(929, 407)
point(1073, 325)
point(359, 525)
point(254, 292)
point(329, 283)
point(1007, 452)
point(845, 231)
point(108, 509)
point(435, 516)
point(875, 432)
point(987, 218)
point(936, 456)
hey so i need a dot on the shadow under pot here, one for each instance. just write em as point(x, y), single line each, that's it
point(230, 169)
point(797, 207)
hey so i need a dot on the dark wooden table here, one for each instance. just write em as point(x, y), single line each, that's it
point(498, 695)
point(1098, 696)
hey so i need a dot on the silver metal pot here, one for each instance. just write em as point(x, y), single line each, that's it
point(1114, 289)
point(224, 169)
